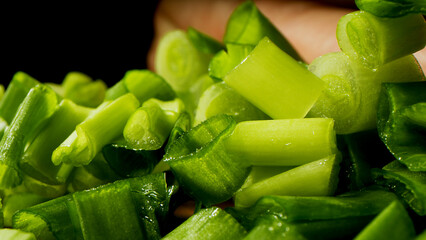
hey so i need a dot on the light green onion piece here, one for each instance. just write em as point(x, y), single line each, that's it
point(375, 41)
point(210, 224)
point(36, 161)
point(82, 90)
point(37, 107)
point(318, 178)
point(352, 91)
point(149, 126)
point(392, 223)
point(144, 84)
point(283, 142)
point(102, 127)
point(221, 99)
point(179, 61)
point(15, 234)
point(16, 91)
point(275, 83)
point(247, 25)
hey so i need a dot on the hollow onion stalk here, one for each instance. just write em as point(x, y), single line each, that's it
point(375, 41)
point(274, 82)
point(103, 126)
point(36, 108)
point(317, 178)
point(149, 126)
point(219, 98)
point(283, 142)
point(247, 25)
point(352, 90)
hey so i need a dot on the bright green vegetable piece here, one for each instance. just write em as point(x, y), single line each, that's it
point(321, 217)
point(149, 126)
point(126, 209)
point(209, 223)
point(392, 223)
point(144, 84)
point(43, 189)
point(129, 162)
point(201, 164)
point(15, 234)
point(1, 91)
point(271, 227)
point(182, 125)
point(352, 91)
point(260, 173)
point(247, 25)
point(16, 91)
point(275, 83)
point(203, 42)
point(400, 110)
point(375, 41)
point(221, 99)
point(392, 8)
point(102, 127)
point(81, 89)
point(224, 61)
point(409, 185)
point(179, 61)
point(18, 201)
point(36, 161)
point(318, 178)
point(37, 107)
point(283, 142)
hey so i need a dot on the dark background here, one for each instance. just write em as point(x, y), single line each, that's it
point(102, 41)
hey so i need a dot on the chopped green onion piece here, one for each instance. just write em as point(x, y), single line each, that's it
point(179, 61)
point(392, 223)
point(44, 189)
point(260, 173)
point(283, 142)
point(36, 161)
point(352, 91)
point(392, 8)
point(129, 162)
point(99, 129)
point(247, 25)
point(144, 84)
point(202, 165)
point(375, 41)
point(15, 234)
point(203, 42)
point(18, 201)
point(182, 125)
point(398, 109)
point(224, 61)
point(410, 186)
point(37, 107)
point(319, 217)
point(1, 91)
point(209, 223)
point(16, 91)
point(134, 207)
point(150, 125)
point(318, 178)
point(275, 83)
point(221, 99)
point(82, 90)
point(271, 227)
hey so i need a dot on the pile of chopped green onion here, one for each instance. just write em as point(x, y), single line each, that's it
point(258, 143)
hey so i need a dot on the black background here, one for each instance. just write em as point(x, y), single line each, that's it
point(102, 41)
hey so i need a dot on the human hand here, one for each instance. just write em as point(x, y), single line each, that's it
point(310, 26)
